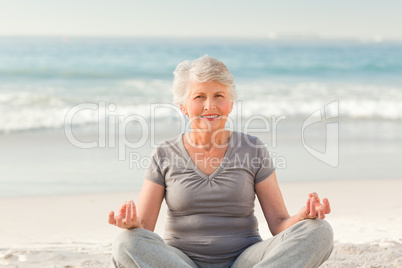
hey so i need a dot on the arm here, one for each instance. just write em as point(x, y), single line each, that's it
point(149, 203)
point(146, 213)
point(274, 208)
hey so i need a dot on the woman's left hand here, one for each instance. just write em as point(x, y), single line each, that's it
point(314, 209)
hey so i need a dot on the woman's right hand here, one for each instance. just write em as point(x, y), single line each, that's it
point(126, 217)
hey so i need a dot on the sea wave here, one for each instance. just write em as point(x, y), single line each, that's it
point(293, 69)
point(74, 73)
point(22, 111)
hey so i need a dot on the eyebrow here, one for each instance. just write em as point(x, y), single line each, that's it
point(202, 93)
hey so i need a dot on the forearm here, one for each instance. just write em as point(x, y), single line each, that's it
point(284, 223)
point(144, 225)
point(147, 221)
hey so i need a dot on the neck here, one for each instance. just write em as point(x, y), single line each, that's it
point(208, 140)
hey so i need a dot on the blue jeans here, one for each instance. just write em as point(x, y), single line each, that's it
point(308, 243)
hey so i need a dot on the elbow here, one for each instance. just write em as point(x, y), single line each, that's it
point(278, 225)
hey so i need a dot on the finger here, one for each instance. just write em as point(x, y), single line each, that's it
point(127, 220)
point(327, 207)
point(133, 211)
point(317, 198)
point(119, 220)
point(307, 208)
point(321, 213)
point(304, 211)
point(122, 209)
point(111, 218)
point(313, 212)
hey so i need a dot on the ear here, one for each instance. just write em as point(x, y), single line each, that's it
point(183, 109)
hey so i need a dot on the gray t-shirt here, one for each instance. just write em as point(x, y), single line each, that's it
point(211, 218)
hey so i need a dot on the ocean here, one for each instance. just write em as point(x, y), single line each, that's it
point(92, 88)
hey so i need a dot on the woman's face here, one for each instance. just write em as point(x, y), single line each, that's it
point(208, 105)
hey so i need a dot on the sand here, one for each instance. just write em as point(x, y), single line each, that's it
point(72, 230)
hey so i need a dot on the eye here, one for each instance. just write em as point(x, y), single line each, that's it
point(197, 97)
point(219, 95)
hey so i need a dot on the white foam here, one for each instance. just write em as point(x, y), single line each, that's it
point(25, 110)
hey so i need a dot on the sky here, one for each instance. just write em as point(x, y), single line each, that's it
point(207, 18)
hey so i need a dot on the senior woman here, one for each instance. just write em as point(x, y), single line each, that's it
point(209, 178)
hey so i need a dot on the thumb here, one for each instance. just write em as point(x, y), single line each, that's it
point(111, 218)
point(305, 210)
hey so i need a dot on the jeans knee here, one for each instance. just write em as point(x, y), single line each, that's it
point(129, 241)
point(321, 232)
point(122, 242)
point(325, 230)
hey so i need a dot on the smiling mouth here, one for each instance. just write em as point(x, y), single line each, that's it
point(210, 116)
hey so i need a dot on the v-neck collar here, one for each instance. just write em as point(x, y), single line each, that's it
point(221, 166)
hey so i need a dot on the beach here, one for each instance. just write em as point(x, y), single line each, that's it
point(56, 196)
point(80, 117)
point(72, 230)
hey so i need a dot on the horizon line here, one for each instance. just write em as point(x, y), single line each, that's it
point(373, 39)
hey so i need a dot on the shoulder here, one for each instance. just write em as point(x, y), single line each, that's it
point(170, 142)
point(249, 144)
point(247, 140)
point(168, 146)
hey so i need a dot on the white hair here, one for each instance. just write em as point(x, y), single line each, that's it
point(204, 69)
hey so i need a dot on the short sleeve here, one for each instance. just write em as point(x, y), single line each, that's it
point(154, 171)
point(266, 167)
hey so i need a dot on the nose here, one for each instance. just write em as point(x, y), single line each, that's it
point(209, 104)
